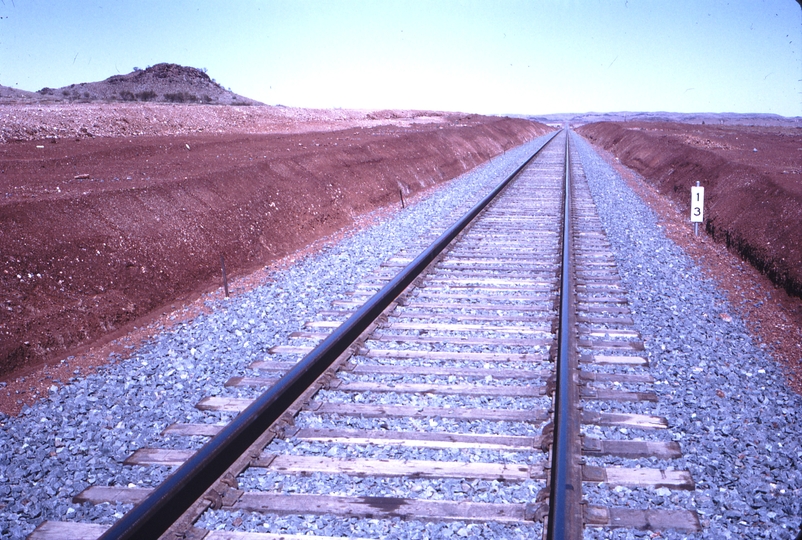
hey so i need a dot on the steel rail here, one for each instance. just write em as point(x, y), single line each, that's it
point(565, 518)
point(167, 503)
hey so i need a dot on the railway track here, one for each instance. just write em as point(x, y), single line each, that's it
point(476, 383)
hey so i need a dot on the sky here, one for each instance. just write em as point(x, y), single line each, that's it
point(480, 56)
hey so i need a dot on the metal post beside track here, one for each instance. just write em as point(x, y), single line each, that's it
point(565, 521)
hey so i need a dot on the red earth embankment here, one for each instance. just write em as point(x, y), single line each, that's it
point(752, 178)
point(98, 232)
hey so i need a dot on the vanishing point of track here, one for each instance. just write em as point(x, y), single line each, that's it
point(462, 383)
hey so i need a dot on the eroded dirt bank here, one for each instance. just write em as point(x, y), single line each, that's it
point(752, 178)
point(98, 232)
point(21, 122)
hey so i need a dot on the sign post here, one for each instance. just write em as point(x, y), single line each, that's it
point(697, 206)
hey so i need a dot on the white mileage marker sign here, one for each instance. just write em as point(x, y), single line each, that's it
point(697, 204)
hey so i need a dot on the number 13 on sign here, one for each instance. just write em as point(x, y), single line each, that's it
point(697, 204)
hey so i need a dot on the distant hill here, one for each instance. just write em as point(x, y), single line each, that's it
point(685, 118)
point(13, 95)
point(162, 83)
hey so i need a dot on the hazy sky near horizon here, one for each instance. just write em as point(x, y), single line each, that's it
point(503, 56)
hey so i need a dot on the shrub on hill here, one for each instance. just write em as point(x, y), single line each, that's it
point(180, 97)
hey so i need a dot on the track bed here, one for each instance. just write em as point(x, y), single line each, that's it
point(442, 410)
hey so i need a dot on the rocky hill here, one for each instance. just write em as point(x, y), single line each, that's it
point(162, 83)
point(13, 95)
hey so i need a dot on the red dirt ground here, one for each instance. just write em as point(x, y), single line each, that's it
point(752, 178)
point(97, 233)
point(754, 201)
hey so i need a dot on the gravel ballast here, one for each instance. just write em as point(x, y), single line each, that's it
point(724, 397)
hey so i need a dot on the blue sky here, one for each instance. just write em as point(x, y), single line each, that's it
point(526, 57)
